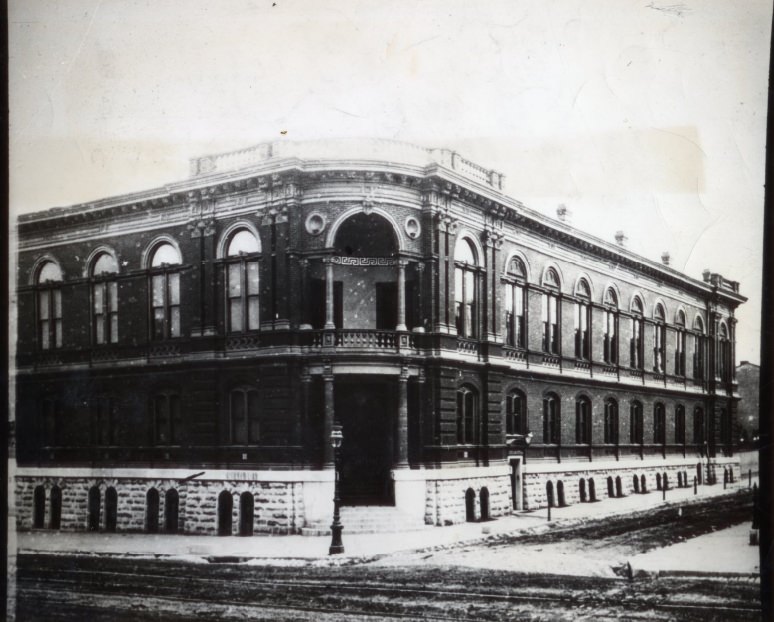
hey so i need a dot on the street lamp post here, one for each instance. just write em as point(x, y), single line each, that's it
point(336, 544)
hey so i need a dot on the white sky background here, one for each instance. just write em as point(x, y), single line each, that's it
point(645, 116)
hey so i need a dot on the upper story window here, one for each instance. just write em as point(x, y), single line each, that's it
point(104, 299)
point(659, 337)
point(583, 420)
point(165, 291)
point(636, 435)
point(516, 413)
point(550, 312)
point(552, 431)
point(610, 327)
point(723, 353)
point(465, 289)
point(611, 422)
point(244, 416)
point(583, 321)
point(49, 305)
point(243, 282)
point(698, 348)
point(636, 343)
point(659, 424)
point(515, 304)
point(680, 343)
point(167, 421)
point(467, 416)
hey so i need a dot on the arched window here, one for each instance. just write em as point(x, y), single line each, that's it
point(659, 424)
point(484, 503)
point(611, 422)
point(515, 304)
point(636, 424)
point(680, 343)
point(171, 510)
point(166, 417)
point(39, 509)
point(551, 420)
point(246, 514)
point(610, 324)
point(516, 413)
point(592, 490)
point(467, 416)
point(165, 292)
point(560, 494)
point(465, 289)
point(680, 424)
point(95, 500)
point(636, 343)
point(244, 412)
point(723, 354)
point(225, 509)
point(111, 509)
point(635, 483)
point(49, 305)
point(582, 318)
point(550, 494)
point(470, 505)
point(152, 510)
point(56, 508)
point(582, 489)
point(550, 312)
point(243, 286)
point(659, 337)
point(698, 348)
point(104, 299)
point(698, 426)
point(583, 420)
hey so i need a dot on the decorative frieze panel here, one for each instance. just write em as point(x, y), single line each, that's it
point(364, 261)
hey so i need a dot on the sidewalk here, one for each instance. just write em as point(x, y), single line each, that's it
point(356, 545)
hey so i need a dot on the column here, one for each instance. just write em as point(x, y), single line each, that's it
point(302, 419)
point(401, 295)
point(329, 414)
point(401, 459)
point(329, 294)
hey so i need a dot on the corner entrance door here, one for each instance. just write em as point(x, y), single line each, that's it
point(366, 409)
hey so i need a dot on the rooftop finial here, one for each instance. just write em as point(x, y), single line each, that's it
point(620, 238)
point(665, 258)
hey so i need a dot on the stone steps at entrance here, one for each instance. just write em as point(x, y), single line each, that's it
point(367, 519)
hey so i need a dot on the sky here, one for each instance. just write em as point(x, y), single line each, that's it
point(647, 117)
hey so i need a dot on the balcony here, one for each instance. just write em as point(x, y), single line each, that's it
point(379, 341)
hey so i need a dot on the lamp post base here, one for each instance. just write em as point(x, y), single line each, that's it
point(337, 547)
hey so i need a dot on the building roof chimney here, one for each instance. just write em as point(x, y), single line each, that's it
point(665, 258)
point(620, 238)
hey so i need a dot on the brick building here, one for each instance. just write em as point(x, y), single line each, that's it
point(184, 352)
point(748, 415)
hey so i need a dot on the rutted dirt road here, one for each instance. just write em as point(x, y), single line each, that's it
point(109, 588)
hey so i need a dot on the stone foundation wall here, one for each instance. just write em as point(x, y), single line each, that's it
point(576, 477)
point(445, 498)
point(278, 506)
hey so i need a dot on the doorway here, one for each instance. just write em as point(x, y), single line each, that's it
point(366, 409)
